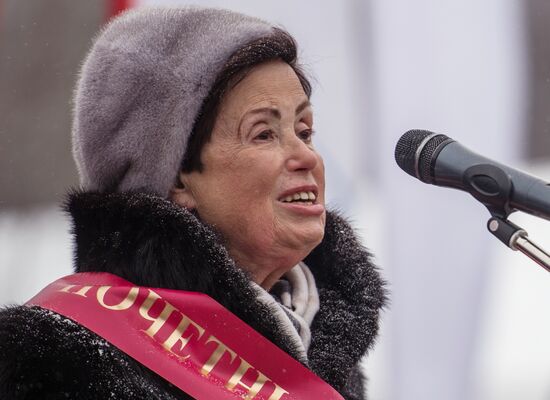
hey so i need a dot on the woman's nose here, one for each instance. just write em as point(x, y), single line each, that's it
point(300, 155)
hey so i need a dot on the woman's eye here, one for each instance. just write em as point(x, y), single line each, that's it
point(264, 135)
point(306, 135)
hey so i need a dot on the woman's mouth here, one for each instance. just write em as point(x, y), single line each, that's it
point(304, 198)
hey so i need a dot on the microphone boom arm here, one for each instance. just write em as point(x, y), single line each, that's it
point(516, 238)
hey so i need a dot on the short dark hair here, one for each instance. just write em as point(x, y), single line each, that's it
point(279, 45)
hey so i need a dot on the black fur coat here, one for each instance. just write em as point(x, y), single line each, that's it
point(150, 242)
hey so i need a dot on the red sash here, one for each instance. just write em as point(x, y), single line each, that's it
point(186, 337)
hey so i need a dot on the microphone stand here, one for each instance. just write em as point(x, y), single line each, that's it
point(493, 187)
point(516, 238)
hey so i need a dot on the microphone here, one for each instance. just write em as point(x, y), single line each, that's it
point(439, 160)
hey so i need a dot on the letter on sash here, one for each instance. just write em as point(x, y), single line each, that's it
point(216, 355)
point(158, 322)
point(123, 305)
point(177, 335)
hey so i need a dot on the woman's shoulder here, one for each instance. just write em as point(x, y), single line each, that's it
point(45, 355)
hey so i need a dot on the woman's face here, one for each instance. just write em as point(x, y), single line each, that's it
point(263, 183)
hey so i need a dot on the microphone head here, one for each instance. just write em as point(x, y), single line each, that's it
point(416, 151)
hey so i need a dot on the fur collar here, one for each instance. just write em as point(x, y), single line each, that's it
point(151, 242)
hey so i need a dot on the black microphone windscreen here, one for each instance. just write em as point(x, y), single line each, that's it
point(425, 143)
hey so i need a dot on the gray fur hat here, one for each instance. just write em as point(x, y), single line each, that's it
point(141, 88)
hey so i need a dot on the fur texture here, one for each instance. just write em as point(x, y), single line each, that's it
point(141, 88)
point(150, 241)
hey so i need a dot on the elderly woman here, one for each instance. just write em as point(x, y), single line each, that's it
point(193, 136)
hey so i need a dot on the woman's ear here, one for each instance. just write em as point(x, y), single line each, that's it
point(182, 193)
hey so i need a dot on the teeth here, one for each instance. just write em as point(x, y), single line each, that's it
point(304, 197)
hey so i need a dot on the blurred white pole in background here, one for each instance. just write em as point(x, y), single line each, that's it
point(453, 67)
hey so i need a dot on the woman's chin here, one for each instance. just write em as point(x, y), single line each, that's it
point(305, 236)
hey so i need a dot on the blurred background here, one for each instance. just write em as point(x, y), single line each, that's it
point(468, 317)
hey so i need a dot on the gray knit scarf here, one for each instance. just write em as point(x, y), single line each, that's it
point(294, 301)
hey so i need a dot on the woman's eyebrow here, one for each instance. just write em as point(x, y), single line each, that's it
point(303, 105)
point(275, 112)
